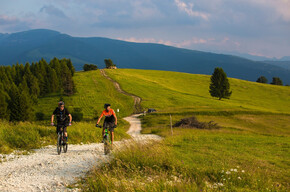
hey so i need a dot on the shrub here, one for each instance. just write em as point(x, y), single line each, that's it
point(262, 79)
point(277, 81)
point(39, 116)
point(192, 122)
point(77, 114)
point(90, 67)
point(24, 137)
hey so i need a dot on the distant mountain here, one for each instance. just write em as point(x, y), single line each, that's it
point(251, 57)
point(283, 64)
point(36, 44)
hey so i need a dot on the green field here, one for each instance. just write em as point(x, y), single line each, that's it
point(178, 92)
point(93, 90)
point(250, 152)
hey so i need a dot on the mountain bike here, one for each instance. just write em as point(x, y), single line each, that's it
point(106, 140)
point(61, 140)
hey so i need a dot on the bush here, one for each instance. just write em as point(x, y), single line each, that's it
point(277, 81)
point(77, 114)
point(23, 137)
point(262, 79)
point(192, 122)
point(39, 116)
point(90, 67)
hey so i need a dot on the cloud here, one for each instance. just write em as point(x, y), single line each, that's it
point(259, 26)
point(188, 8)
point(8, 20)
point(52, 11)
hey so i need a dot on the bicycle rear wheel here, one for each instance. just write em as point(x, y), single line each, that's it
point(106, 145)
point(59, 144)
point(65, 147)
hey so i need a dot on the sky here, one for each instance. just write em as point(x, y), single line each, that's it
point(256, 27)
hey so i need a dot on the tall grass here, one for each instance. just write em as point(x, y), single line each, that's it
point(162, 167)
point(27, 136)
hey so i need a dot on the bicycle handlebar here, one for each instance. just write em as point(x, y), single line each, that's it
point(98, 126)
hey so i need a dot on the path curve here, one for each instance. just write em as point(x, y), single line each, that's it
point(137, 100)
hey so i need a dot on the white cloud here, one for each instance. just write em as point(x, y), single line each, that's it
point(188, 8)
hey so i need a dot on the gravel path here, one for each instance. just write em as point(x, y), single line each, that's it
point(137, 100)
point(44, 170)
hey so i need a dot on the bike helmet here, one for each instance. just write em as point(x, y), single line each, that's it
point(60, 103)
point(107, 105)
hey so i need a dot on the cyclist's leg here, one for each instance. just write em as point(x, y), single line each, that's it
point(65, 132)
point(112, 132)
point(57, 128)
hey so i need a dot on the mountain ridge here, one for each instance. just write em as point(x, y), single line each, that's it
point(29, 46)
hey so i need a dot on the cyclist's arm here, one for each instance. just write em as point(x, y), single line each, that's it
point(116, 120)
point(100, 118)
point(70, 118)
point(52, 118)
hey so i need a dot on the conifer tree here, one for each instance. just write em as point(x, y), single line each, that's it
point(3, 103)
point(220, 86)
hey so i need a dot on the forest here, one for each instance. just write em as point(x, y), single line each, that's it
point(22, 85)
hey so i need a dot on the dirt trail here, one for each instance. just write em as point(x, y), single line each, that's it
point(44, 170)
point(137, 100)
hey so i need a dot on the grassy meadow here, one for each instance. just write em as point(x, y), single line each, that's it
point(93, 90)
point(250, 152)
point(179, 92)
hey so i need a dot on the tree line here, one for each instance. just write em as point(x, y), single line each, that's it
point(22, 85)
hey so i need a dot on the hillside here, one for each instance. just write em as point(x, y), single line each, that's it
point(93, 91)
point(35, 44)
point(250, 152)
point(177, 92)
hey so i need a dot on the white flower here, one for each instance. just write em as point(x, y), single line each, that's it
point(232, 169)
point(238, 166)
point(239, 178)
point(223, 171)
point(235, 170)
point(243, 171)
point(220, 184)
point(228, 172)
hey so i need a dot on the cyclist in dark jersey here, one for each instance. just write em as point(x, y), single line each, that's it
point(63, 118)
point(110, 121)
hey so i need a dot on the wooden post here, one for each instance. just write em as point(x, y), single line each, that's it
point(171, 125)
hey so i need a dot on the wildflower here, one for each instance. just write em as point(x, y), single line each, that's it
point(238, 166)
point(243, 171)
point(228, 172)
point(223, 171)
point(232, 169)
point(239, 178)
point(235, 170)
point(220, 184)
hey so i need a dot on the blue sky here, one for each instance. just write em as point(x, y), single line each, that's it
point(257, 27)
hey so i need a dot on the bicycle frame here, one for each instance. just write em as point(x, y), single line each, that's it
point(61, 141)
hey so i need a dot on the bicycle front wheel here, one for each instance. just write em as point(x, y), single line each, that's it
point(59, 144)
